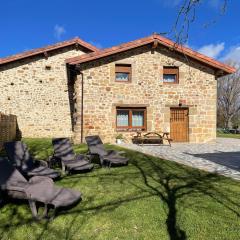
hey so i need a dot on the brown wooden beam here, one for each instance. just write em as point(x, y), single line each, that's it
point(45, 54)
point(77, 46)
point(219, 73)
point(130, 105)
point(155, 44)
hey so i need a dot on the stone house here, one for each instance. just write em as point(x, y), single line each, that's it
point(72, 89)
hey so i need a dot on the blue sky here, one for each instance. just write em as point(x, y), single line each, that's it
point(29, 24)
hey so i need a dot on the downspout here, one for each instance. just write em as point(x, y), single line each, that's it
point(78, 72)
point(82, 110)
point(70, 93)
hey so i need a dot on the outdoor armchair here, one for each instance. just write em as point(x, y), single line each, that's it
point(38, 189)
point(64, 153)
point(107, 157)
point(20, 157)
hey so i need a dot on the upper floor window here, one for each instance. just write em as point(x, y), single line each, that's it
point(123, 72)
point(170, 74)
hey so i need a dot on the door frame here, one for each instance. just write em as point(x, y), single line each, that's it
point(187, 124)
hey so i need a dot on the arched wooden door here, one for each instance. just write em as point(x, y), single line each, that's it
point(179, 122)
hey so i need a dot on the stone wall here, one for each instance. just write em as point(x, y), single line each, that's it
point(196, 89)
point(37, 95)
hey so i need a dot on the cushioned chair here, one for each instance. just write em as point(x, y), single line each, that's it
point(107, 157)
point(20, 157)
point(63, 151)
point(38, 189)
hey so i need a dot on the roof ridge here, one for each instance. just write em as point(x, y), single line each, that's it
point(121, 45)
point(50, 47)
point(147, 40)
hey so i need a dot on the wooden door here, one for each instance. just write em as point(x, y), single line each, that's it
point(179, 124)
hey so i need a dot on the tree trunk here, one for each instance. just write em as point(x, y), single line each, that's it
point(228, 122)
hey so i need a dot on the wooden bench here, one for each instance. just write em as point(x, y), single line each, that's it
point(151, 138)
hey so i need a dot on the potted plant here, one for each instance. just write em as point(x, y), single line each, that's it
point(119, 138)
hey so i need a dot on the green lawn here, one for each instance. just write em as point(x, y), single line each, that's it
point(149, 199)
point(228, 135)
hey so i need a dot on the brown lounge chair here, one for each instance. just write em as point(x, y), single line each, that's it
point(38, 189)
point(107, 158)
point(63, 151)
point(20, 158)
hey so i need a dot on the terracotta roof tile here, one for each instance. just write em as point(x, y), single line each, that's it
point(147, 40)
point(37, 51)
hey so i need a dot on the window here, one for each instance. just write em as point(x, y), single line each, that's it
point(170, 74)
point(123, 72)
point(131, 119)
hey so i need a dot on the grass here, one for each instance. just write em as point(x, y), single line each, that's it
point(228, 135)
point(151, 198)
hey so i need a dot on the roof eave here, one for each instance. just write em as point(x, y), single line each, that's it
point(48, 49)
point(102, 54)
point(152, 39)
point(196, 55)
point(87, 45)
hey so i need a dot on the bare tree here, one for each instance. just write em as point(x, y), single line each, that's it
point(229, 97)
point(229, 86)
point(187, 15)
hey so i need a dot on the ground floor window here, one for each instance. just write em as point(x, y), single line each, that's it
point(131, 119)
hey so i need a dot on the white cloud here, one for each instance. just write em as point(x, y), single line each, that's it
point(212, 50)
point(59, 31)
point(233, 54)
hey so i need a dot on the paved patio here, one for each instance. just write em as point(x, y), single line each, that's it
point(222, 157)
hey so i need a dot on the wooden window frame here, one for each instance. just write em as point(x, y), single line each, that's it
point(131, 128)
point(169, 70)
point(123, 68)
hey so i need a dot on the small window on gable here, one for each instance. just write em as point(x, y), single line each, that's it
point(48, 67)
point(170, 75)
point(123, 72)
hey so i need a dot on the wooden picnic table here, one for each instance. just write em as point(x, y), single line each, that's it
point(152, 138)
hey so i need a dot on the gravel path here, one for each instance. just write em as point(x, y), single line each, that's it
point(222, 157)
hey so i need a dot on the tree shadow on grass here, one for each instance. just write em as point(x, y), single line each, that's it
point(171, 187)
point(168, 181)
